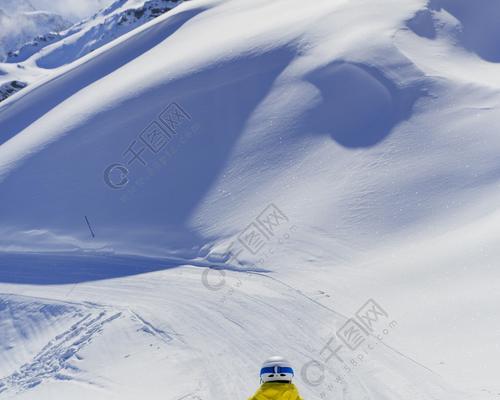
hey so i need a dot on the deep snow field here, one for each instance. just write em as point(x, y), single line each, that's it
point(242, 178)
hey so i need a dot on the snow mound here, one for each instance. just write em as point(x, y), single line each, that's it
point(477, 27)
point(360, 106)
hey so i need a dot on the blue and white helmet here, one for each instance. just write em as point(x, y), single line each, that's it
point(276, 369)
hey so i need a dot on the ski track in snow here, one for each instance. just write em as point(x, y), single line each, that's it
point(58, 359)
point(372, 125)
point(224, 317)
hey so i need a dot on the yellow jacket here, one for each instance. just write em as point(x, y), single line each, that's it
point(276, 391)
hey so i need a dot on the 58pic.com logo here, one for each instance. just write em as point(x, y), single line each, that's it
point(350, 346)
point(154, 139)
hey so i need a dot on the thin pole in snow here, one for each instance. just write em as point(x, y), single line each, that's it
point(90, 228)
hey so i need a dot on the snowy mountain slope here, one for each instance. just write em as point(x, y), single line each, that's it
point(323, 157)
point(22, 27)
point(178, 342)
point(91, 33)
point(61, 46)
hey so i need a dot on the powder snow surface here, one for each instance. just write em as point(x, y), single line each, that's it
point(238, 179)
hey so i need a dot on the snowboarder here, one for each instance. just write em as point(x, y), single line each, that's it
point(276, 377)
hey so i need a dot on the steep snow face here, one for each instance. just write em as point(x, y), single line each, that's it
point(318, 156)
point(258, 73)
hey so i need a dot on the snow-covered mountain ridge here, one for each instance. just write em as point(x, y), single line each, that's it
point(240, 178)
point(121, 17)
point(58, 46)
point(22, 27)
